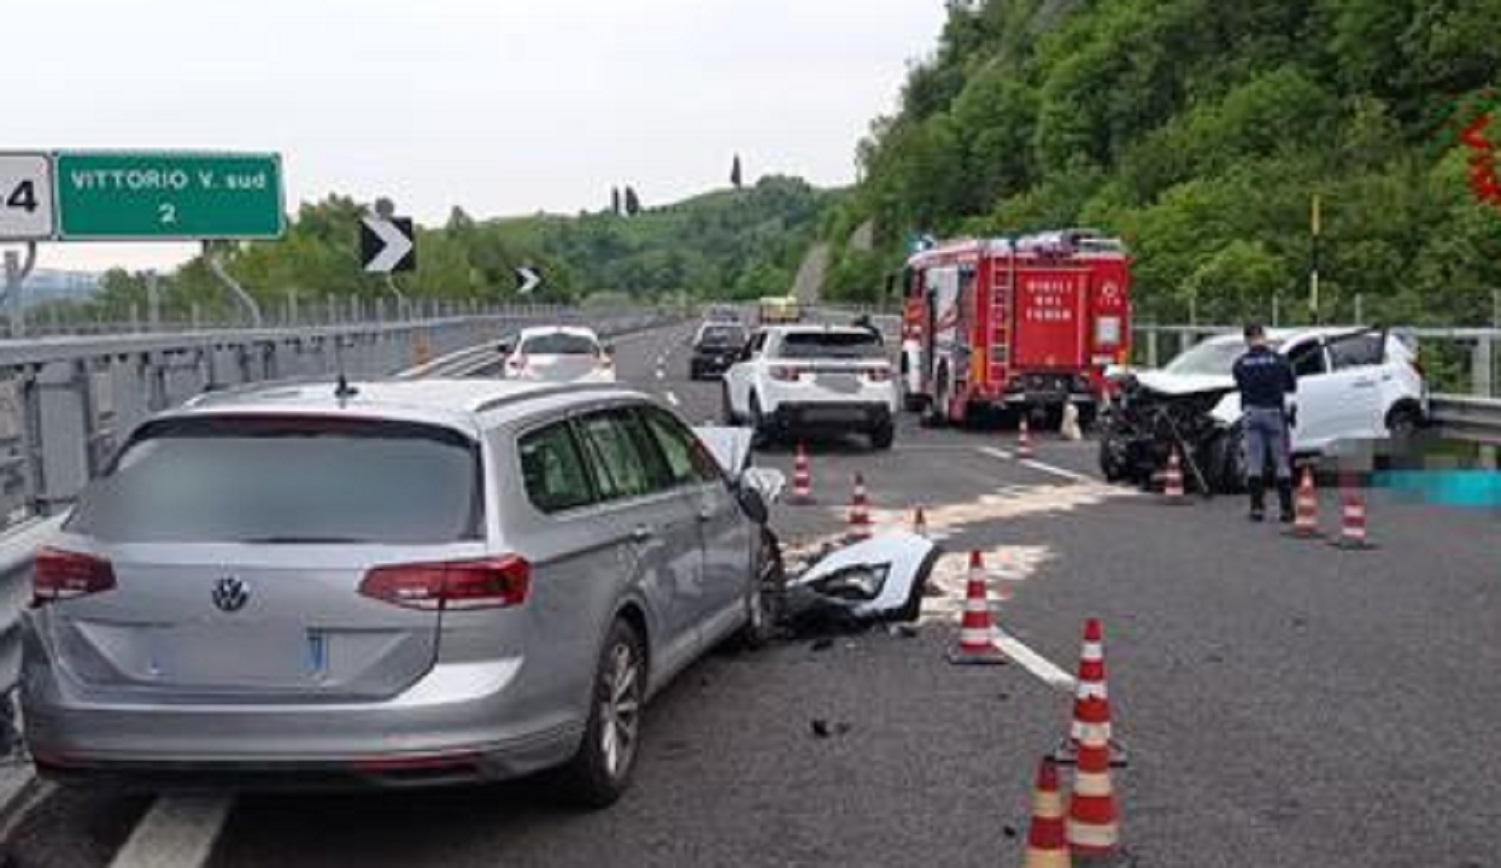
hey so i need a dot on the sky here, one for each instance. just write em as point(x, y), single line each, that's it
point(498, 106)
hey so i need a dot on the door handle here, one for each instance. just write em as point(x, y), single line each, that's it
point(642, 534)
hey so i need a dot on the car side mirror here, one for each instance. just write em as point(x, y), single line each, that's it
point(752, 503)
point(505, 348)
point(609, 350)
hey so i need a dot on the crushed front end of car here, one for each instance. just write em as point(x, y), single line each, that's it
point(1141, 424)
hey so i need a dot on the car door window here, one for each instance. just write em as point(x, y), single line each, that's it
point(625, 465)
point(688, 460)
point(1308, 359)
point(553, 471)
point(1356, 351)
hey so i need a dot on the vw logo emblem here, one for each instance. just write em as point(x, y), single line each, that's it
point(231, 594)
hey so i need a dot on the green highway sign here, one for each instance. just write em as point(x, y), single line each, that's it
point(167, 196)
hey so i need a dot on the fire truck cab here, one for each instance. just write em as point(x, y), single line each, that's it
point(1025, 325)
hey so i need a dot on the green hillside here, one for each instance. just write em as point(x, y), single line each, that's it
point(1201, 131)
point(719, 245)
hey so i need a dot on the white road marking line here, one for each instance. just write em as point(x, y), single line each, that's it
point(673, 400)
point(1046, 670)
point(661, 374)
point(177, 831)
point(1042, 466)
point(1059, 471)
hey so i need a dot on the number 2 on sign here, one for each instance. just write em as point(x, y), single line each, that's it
point(167, 213)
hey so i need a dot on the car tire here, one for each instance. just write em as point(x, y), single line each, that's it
point(1227, 457)
point(763, 603)
point(727, 406)
point(882, 437)
point(761, 435)
point(1403, 424)
point(601, 769)
point(1112, 461)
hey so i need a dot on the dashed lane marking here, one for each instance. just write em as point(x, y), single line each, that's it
point(1046, 670)
point(178, 831)
point(673, 399)
point(1058, 471)
point(1042, 466)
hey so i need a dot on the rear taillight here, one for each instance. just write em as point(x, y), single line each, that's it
point(878, 375)
point(60, 575)
point(495, 583)
point(785, 373)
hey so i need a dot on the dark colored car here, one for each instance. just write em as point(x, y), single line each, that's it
point(716, 346)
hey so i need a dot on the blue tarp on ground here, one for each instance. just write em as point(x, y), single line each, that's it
point(1473, 488)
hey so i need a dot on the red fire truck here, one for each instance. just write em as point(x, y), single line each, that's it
point(1016, 325)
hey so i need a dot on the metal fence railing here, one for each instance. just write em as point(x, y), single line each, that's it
point(66, 402)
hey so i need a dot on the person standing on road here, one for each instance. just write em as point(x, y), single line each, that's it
point(1267, 389)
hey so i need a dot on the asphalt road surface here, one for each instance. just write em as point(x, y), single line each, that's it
point(1282, 703)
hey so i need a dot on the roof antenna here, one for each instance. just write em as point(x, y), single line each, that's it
point(342, 391)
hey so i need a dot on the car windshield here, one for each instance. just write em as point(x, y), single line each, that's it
point(287, 480)
point(560, 344)
point(1210, 358)
point(831, 345)
point(722, 336)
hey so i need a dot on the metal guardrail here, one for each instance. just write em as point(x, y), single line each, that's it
point(1472, 419)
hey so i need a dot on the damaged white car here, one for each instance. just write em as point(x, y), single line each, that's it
point(1354, 384)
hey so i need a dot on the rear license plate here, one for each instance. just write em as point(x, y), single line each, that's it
point(843, 383)
point(229, 656)
point(834, 414)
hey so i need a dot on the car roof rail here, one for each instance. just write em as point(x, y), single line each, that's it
point(552, 391)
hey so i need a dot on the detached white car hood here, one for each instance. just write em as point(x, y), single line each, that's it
point(1226, 411)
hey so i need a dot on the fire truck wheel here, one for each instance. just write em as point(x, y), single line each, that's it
point(936, 413)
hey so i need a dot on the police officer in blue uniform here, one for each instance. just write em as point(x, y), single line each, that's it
point(1267, 388)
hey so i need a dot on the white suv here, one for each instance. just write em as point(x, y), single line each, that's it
point(559, 354)
point(793, 380)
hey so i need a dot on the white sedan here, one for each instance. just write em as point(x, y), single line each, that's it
point(559, 354)
point(808, 379)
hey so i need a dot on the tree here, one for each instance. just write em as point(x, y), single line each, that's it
point(735, 173)
point(632, 202)
point(615, 202)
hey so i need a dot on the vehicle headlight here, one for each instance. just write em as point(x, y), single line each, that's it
point(863, 582)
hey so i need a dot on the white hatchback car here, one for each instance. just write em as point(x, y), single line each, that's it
point(1353, 384)
point(559, 354)
point(799, 379)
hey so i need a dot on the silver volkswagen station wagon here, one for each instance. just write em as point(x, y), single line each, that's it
point(399, 583)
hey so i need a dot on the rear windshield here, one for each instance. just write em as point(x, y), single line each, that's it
point(831, 345)
point(560, 344)
point(723, 335)
point(287, 480)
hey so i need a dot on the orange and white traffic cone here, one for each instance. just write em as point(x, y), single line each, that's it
point(1091, 700)
point(802, 479)
point(976, 628)
point(1172, 480)
point(1352, 532)
point(859, 520)
point(1093, 821)
point(1023, 439)
point(1047, 839)
point(919, 523)
point(1305, 509)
